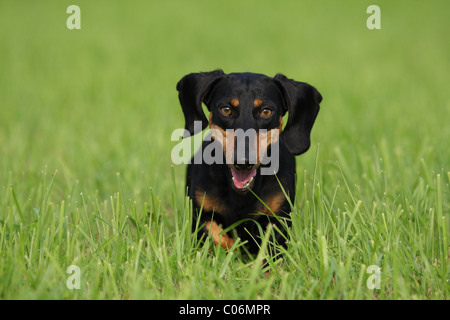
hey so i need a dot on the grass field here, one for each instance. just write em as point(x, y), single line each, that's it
point(86, 177)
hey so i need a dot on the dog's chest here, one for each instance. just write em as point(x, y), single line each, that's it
point(232, 208)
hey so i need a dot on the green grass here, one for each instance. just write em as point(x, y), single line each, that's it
point(86, 177)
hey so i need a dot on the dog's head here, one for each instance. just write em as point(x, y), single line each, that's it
point(249, 106)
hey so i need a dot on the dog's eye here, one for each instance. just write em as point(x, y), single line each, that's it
point(265, 113)
point(226, 111)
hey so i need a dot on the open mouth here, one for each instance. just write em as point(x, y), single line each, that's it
point(242, 180)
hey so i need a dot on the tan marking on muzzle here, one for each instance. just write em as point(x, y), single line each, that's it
point(265, 139)
point(234, 102)
point(226, 139)
point(262, 141)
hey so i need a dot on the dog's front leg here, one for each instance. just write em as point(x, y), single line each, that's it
point(214, 230)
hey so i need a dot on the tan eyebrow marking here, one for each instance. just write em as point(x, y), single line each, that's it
point(257, 103)
point(234, 102)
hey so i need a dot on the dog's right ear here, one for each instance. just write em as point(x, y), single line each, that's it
point(192, 90)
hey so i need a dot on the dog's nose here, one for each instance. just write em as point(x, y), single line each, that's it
point(243, 164)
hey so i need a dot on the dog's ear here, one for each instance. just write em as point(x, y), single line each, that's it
point(192, 90)
point(302, 102)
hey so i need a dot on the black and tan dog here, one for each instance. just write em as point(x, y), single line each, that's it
point(221, 191)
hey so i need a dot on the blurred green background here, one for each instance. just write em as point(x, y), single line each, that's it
point(101, 100)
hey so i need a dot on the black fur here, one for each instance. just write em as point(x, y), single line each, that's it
point(216, 89)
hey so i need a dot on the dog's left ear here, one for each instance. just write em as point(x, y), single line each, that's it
point(192, 90)
point(302, 102)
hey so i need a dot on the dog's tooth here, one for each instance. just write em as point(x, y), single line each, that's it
point(248, 183)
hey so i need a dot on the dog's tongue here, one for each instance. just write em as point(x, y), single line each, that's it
point(241, 178)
